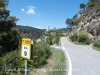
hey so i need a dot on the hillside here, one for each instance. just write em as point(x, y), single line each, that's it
point(35, 32)
point(63, 30)
point(88, 18)
point(30, 31)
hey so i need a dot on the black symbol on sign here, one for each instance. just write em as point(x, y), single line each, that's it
point(25, 53)
point(25, 48)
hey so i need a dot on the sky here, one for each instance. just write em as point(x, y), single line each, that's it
point(43, 13)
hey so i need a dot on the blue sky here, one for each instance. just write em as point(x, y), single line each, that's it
point(43, 13)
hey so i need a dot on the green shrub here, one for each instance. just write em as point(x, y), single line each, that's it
point(74, 37)
point(53, 37)
point(10, 61)
point(57, 39)
point(98, 31)
point(83, 37)
point(49, 40)
point(54, 40)
point(76, 21)
point(96, 43)
point(41, 53)
point(91, 4)
point(66, 34)
point(13, 60)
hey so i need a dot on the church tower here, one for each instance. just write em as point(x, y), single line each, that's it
point(48, 28)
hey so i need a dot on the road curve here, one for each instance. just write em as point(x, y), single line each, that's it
point(82, 60)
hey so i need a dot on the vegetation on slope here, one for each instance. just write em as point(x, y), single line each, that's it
point(9, 36)
point(10, 44)
point(52, 37)
point(30, 31)
point(86, 20)
point(56, 64)
point(81, 38)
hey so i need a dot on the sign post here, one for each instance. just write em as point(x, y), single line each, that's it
point(26, 67)
point(26, 51)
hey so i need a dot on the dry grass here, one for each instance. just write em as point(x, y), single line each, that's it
point(56, 61)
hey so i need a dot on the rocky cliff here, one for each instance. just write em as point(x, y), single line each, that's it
point(89, 19)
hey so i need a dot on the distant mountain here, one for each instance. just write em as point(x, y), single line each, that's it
point(30, 31)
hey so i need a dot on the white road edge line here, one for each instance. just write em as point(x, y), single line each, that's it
point(70, 63)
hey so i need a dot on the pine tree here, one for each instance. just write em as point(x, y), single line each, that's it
point(9, 36)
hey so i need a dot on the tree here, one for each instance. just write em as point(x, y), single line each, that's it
point(82, 6)
point(93, 1)
point(69, 22)
point(9, 36)
point(74, 17)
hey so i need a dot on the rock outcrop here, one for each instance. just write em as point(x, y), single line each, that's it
point(89, 20)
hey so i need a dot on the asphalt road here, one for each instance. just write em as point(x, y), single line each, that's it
point(82, 60)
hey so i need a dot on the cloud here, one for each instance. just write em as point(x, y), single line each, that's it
point(32, 7)
point(31, 10)
point(22, 10)
point(38, 27)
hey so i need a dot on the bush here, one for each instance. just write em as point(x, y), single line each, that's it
point(41, 53)
point(74, 37)
point(13, 61)
point(96, 43)
point(83, 37)
point(49, 40)
point(54, 40)
point(76, 21)
point(10, 61)
point(91, 4)
point(98, 31)
point(53, 37)
point(97, 7)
